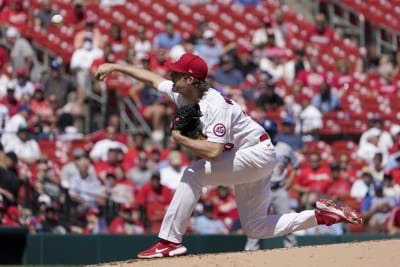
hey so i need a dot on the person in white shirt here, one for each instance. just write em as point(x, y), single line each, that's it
point(11, 127)
point(310, 119)
point(171, 175)
point(385, 141)
point(363, 186)
point(141, 45)
point(260, 36)
point(100, 149)
point(369, 147)
point(85, 188)
point(81, 61)
point(233, 149)
point(23, 86)
point(23, 146)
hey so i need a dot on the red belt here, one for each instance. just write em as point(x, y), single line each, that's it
point(264, 137)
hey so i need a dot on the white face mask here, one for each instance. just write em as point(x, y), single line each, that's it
point(87, 45)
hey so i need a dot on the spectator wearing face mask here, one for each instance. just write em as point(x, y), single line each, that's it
point(81, 60)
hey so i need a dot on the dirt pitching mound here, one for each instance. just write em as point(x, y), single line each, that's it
point(366, 254)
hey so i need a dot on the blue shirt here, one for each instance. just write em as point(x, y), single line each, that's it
point(164, 40)
point(210, 54)
point(205, 225)
point(392, 162)
point(295, 141)
point(232, 77)
point(371, 202)
point(324, 106)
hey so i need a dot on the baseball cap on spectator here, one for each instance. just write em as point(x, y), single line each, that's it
point(13, 211)
point(373, 132)
point(21, 72)
point(244, 49)
point(93, 211)
point(288, 121)
point(44, 199)
point(79, 153)
point(275, 52)
point(55, 64)
point(12, 32)
point(208, 34)
point(125, 207)
point(155, 149)
point(24, 107)
point(190, 64)
point(395, 129)
point(303, 97)
point(269, 125)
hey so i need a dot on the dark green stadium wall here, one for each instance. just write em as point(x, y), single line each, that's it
point(90, 249)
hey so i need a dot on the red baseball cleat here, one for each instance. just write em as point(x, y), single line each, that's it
point(327, 212)
point(163, 249)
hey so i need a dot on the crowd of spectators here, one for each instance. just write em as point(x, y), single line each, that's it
point(56, 177)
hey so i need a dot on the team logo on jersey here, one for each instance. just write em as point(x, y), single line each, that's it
point(219, 129)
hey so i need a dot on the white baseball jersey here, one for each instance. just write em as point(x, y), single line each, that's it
point(223, 120)
point(247, 163)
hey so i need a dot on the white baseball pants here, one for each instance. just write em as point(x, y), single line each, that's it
point(249, 170)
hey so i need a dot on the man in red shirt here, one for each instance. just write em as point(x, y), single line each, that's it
point(224, 205)
point(12, 217)
point(339, 187)
point(112, 120)
point(76, 16)
point(114, 159)
point(127, 221)
point(9, 99)
point(315, 177)
point(154, 198)
point(14, 14)
point(319, 34)
point(386, 86)
point(347, 171)
point(311, 79)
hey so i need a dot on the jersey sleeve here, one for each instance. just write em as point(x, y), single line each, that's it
point(217, 126)
point(166, 88)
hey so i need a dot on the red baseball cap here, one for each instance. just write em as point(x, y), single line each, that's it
point(302, 97)
point(93, 211)
point(190, 64)
point(125, 207)
point(13, 210)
